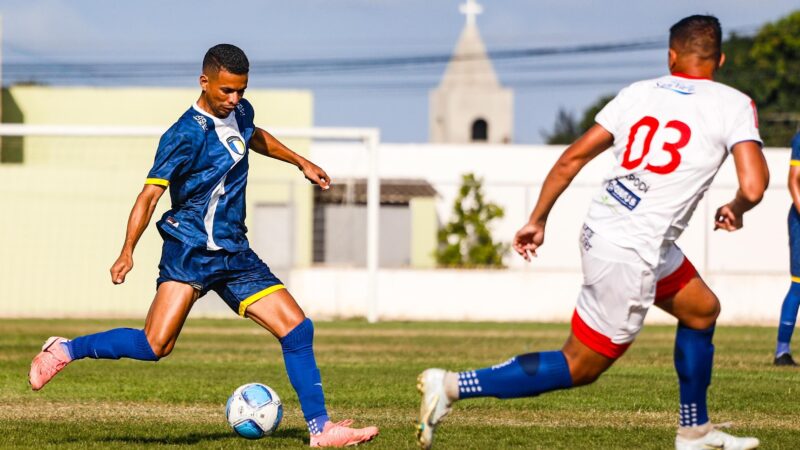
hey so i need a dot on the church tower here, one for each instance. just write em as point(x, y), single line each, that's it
point(470, 105)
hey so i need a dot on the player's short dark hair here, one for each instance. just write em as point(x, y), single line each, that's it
point(698, 34)
point(228, 57)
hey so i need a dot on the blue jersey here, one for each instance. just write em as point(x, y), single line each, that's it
point(796, 150)
point(794, 219)
point(203, 160)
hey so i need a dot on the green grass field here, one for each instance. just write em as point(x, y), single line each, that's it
point(369, 373)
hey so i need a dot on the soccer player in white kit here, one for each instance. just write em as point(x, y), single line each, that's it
point(669, 136)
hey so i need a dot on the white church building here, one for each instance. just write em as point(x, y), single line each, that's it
point(470, 105)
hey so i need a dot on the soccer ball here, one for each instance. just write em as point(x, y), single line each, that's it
point(254, 410)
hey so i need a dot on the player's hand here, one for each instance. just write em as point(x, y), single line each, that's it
point(121, 267)
point(528, 239)
point(728, 218)
point(316, 175)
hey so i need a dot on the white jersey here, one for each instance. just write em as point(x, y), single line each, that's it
point(671, 135)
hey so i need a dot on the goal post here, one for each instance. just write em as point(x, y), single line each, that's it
point(369, 137)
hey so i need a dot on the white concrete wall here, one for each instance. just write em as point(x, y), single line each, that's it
point(748, 269)
point(531, 294)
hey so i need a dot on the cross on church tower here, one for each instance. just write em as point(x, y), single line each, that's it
point(471, 9)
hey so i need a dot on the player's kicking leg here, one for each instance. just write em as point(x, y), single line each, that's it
point(279, 313)
point(163, 324)
point(696, 309)
point(525, 375)
point(599, 336)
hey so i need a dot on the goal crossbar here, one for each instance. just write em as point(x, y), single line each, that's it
point(370, 137)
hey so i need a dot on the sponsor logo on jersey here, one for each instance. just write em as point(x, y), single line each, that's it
point(637, 183)
point(201, 121)
point(676, 86)
point(622, 194)
point(236, 145)
point(240, 109)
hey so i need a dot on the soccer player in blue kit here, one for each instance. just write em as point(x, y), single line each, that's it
point(783, 354)
point(203, 160)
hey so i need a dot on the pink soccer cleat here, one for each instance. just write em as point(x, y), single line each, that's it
point(341, 435)
point(48, 362)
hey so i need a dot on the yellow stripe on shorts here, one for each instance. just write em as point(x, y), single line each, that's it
point(258, 296)
point(795, 279)
point(794, 162)
point(157, 181)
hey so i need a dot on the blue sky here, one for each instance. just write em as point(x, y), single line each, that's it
point(394, 100)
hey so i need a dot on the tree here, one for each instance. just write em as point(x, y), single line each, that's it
point(466, 241)
point(567, 129)
point(764, 66)
point(767, 68)
point(590, 112)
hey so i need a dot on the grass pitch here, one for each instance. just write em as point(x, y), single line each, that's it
point(369, 372)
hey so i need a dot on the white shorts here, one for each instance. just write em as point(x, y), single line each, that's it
point(619, 287)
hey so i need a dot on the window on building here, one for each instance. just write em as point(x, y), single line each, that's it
point(480, 131)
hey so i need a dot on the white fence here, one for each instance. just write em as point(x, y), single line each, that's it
point(748, 269)
point(58, 218)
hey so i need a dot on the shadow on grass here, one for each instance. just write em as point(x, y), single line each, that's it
point(290, 435)
point(186, 439)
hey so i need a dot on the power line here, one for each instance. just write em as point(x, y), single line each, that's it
point(89, 71)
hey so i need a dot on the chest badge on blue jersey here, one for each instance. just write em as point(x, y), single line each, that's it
point(236, 145)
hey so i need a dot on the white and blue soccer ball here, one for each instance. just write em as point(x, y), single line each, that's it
point(254, 410)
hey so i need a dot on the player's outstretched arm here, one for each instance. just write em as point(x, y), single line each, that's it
point(266, 144)
point(595, 141)
point(753, 175)
point(137, 222)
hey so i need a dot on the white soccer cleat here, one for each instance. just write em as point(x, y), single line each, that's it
point(434, 407)
point(716, 439)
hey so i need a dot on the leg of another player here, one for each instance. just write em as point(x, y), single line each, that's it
point(167, 313)
point(789, 308)
point(791, 303)
point(697, 308)
point(525, 375)
point(530, 374)
point(280, 314)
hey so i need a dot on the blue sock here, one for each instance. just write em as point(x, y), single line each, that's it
point(298, 355)
point(694, 357)
point(788, 318)
point(112, 344)
point(521, 376)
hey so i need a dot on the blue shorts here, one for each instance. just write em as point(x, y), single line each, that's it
point(240, 278)
point(794, 243)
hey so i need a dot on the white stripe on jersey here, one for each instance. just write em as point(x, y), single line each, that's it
point(226, 128)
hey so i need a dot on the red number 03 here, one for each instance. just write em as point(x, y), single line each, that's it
point(670, 147)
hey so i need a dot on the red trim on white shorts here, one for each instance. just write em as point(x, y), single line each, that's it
point(674, 282)
point(596, 341)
